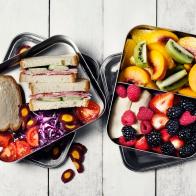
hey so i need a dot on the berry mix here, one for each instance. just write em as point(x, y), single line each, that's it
point(165, 124)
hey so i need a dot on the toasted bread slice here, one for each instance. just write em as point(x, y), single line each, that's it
point(36, 105)
point(10, 100)
point(47, 78)
point(68, 59)
point(79, 85)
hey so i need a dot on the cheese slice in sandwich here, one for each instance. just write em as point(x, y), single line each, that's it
point(59, 95)
point(42, 68)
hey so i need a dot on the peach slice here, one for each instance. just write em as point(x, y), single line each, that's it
point(187, 92)
point(161, 48)
point(128, 52)
point(151, 36)
point(151, 85)
point(162, 36)
point(139, 35)
point(189, 43)
point(135, 74)
point(159, 65)
point(192, 78)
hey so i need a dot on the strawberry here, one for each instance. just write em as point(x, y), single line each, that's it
point(145, 127)
point(157, 149)
point(161, 102)
point(159, 121)
point(187, 118)
point(177, 142)
point(124, 142)
point(142, 144)
point(165, 136)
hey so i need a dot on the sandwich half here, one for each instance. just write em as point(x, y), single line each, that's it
point(55, 95)
point(42, 68)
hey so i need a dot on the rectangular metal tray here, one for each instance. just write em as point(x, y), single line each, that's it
point(57, 45)
point(133, 159)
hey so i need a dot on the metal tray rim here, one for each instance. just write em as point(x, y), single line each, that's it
point(14, 60)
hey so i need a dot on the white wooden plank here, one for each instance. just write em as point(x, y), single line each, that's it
point(119, 18)
point(17, 17)
point(22, 16)
point(82, 21)
point(177, 180)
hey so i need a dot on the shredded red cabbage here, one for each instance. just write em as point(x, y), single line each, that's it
point(49, 127)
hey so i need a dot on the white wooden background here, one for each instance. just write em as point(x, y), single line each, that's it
point(99, 28)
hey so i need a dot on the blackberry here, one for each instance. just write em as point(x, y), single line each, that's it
point(187, 104)
point(168, 148)
point(187, 150)
point(174, 112)
point(185, 133)
point(192, 140)
point(153, 138)
point(172, 127)
point(129, 133)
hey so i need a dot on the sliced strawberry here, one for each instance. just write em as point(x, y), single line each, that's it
point(32, 136)
point(165, 136)
point(157, 149)
point(177, 142)
point(9, 153)
point(22, 148)
point(161, 102)
point(123, 141)
point(159, 121)
point(142, 144)
point(5, 139)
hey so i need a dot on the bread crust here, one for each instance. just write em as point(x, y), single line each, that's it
point(69, 59)
point(33, 105)
point(13, 127)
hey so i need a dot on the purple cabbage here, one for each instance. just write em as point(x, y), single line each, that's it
point(49, 127)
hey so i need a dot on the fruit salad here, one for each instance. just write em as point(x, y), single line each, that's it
point(160, 59)
point(151, 120)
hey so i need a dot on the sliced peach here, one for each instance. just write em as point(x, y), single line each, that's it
point(151, 85)
point(159, 65)
point(192, 78)
point(151, 36)
point(139, 35)
point(135, 74)
point(161, 48)
point(128, 52)
point(188, 67)
point(162, 36)
point(189, 43)
point(187, 92)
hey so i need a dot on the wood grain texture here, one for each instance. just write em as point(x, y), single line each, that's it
point(22, 16)
point(177, 180)
point(82, 21)
point(16, 17)
point(119, 18)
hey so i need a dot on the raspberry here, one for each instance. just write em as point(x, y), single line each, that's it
point(124, 142)
point(133, 92)
point(128, 118)
point(121, 91)
point(145, 127)
point(187, 119)
point(144, 113)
